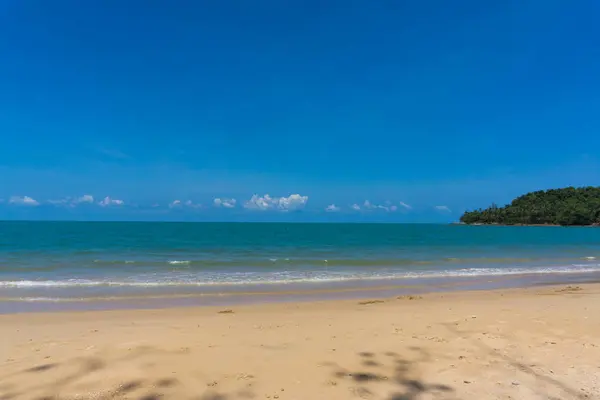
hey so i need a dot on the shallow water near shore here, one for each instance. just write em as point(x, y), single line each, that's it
point(65, 265)
point(280, 295)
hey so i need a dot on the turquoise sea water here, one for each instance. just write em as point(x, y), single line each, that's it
point(58, 261)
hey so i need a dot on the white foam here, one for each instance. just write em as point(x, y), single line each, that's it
point(289, 277)
point(42, 299)
point(175, 262)
point(50, 283)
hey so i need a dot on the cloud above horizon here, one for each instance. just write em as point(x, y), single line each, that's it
point(406, 206)
point(86, 198)
point(175, 203)
point(181, 204)
point(107, 202)
point(388, 206)
point(64, 202)
point(291, 203)
point(256, 202)
point(72, 202)
point(224, 202)
point(23, 201)
point(332, 208)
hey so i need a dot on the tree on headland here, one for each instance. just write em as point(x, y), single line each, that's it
point(567, 206)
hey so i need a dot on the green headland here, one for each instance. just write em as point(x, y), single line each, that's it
point(567, 207)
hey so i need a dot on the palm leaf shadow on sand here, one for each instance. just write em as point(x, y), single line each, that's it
point(34, 383)
point(392, 369)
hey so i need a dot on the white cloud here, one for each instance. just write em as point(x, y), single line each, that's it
point(110, 202)
point(86, 198)
point(367, 205)
point(259, 203)
point(23, 201)
point(332, 208)
point(224, 202)
point(293, 202)
point(179, 204)
point(442, 208)
point(72, 202)
point(191, 204)
point(266, 202)
point(406, 206)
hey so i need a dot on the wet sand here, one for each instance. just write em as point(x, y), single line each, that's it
point(235, 295)
point(534, 343)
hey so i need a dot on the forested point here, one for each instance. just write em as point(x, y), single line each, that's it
point(568, 207)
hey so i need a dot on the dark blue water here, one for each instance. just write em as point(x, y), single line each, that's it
point(47, 261)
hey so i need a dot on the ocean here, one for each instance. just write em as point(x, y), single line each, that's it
point(155, 263)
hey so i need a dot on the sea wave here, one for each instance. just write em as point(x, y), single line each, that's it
point(287, 261)
point(236, 262)
point(288, 277)
point(39, 299)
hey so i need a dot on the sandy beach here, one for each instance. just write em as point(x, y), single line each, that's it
point(535, 343)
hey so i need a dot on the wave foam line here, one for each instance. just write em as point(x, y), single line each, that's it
point(268, 279)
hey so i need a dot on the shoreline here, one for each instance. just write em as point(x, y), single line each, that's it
point(378, 297)
point(296, 294)
point(531, 343)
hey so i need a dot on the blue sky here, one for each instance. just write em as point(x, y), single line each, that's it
point(421, 108)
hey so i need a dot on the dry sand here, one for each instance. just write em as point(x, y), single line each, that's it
point(537, 343)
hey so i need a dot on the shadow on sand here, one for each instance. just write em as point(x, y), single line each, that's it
point(386, 376)
point(392, 375)
point(54, 381)
point(391, 372)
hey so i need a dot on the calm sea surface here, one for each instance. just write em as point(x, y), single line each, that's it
point(71, 261)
